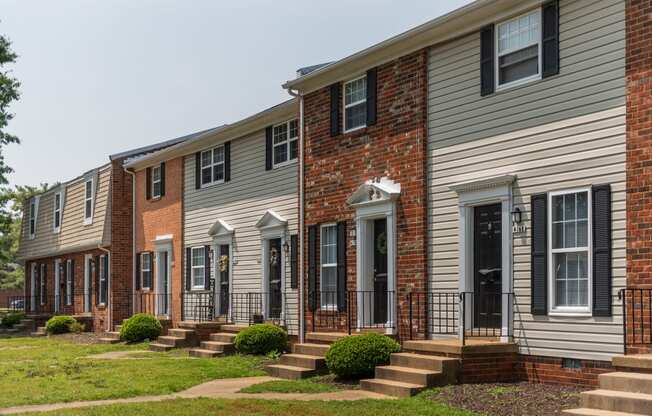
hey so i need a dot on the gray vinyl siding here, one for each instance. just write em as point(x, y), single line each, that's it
point(241, 203)
point(559, 133)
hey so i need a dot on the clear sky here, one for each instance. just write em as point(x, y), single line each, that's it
point(101, 77)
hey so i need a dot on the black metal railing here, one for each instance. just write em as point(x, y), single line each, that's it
point(15, 303)
point(637, 316)
point(74, 303)
point(482, 314)
point(198, 306)
point(352, 310)
point(433, 313)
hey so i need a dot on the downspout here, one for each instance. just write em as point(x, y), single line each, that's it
point(301, 217)
point(133, 238)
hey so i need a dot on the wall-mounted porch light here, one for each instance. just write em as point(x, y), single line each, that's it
point(517, 216)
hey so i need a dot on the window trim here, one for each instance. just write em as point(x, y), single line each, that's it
point(193, 267)
point(554, 310)
point(56, 212)
point(331, 306)
point(498, 54)
point(345, 106)
point(143, 270)
point(42, 284)
point(69, 285)
point(88, 219)
point(287, 142)
point(212, 166)
point(159, 181)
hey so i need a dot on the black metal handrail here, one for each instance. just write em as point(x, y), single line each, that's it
point(352, 310)
point(485, 312)
point(433, 313)
point(74, 303)
point(637, 316)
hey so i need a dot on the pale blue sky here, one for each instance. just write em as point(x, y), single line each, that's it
point(101, 77)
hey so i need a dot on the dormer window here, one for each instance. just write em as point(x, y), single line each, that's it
point(88, 202)
point(57, 212)
point(32, 217)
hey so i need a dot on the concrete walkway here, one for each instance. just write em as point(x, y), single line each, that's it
point(216, 389)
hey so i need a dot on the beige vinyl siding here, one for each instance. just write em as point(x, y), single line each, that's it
point(559, 133)
point(74, 234)
point(241, 203)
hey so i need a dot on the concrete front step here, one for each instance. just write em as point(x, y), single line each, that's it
point(105, 340)
point(311, 362)
point(634, 362)
point(217, 346)
point(204, 353)
point(223, 337)
point(112, 334)
point(595, 412)
point(426, 362)
point(182, 332)
point(289, 372)
point(38, 334)
point(409, 375)
point(391, 387)
point(233, 328)
point(319, 350)
point(158, 347)
point(177, 342)
point(118, 328)
point(629, 382)
point(618, 401)
point(325, 337)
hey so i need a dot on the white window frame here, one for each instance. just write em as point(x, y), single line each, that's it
point(88, 217)
point(154, 181)
point(202, 267)
point(345, 106)
point(42, 284)
point(143, 270)
point(287, 143)
point(103, 297)
point(69, 294)
point(553, 309)
point(332, 305)
point(57, 212)
point(212, 166)
point(499, 54)
point(33, 217)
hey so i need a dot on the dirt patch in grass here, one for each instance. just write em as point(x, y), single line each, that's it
point(83, 338)
point(514, 399)
point(338, 383)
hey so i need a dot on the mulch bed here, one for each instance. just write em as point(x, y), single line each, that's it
point(510, 399)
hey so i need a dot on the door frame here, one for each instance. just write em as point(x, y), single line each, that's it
point(477, 193)
point(163, 244)
point(271, 225)
point(224, 240)
point(88, 302)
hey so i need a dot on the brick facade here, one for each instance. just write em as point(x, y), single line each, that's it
point(394, 148)
point(159, 217)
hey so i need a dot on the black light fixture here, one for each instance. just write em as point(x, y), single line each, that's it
point(517, 217)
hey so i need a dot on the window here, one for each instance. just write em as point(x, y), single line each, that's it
point(286, 142)
point(88, 202)
point(42, 284)
point(156, 182)
point(328, 266)
point(32, 218)
point(57, 212)
point(212, 166)
point(198, 271)
point(145, 270)
point(570, 259)
point(104, 280)
point(355, 104)
point(69, 282)
point(519, 49)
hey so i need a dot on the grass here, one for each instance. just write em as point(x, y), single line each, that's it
point(51, 370)
point(290, 386)
point(203, 407)
point(500, 390)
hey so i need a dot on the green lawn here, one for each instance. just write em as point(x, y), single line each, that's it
point(201, 407)
point(291, 386)
point(50, 370)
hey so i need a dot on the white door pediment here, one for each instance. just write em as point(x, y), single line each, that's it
point(271, 220)
point(220, 229)
point(375, 192)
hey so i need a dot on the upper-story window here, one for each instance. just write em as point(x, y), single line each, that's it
point(57, 212)
point(285, 142)
point(518, 53)
point(88, 201)
point(32, 217)
point(156, 182)
point(212, 166)
point(355, 104)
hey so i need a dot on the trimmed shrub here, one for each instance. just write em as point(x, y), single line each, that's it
point(11, 319)
point(77, 327)
point(357, 356)
point(60, 324)
point(261, 339)
point(140, 327)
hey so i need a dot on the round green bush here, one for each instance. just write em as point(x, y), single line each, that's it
point(60, 324)
point(140, 327)
point(261, 339)
point(357, 356)
point(11, 319)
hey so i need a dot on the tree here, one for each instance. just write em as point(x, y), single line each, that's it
point(8, 93)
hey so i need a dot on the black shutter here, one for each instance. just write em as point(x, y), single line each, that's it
point(487, 64)
point(371, 96)
point(138, 277)
point(207, 267)
point(151, 270)
point(97, 279)
point(601, 205)
point(539, 254)
point(341, 266)
point(188, 269)
point(227, 161)
point(550, 38)
point(162, 178)
point(335, 109)
point(293, 261)
point(148, 183)
point(269, 132)
point(312, 267)
point(197, 170)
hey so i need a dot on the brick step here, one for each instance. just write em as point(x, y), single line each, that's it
point(595, 412)
point(425, 378)
point(312, 362)
point(391, 387)
point(105, 340)
point(217, 346)
point(426, 362)
point(617, 401)
point(629, 382)
point(204, 353)
point(289, 372)
point(112, 334)
point(319, 350)
point(158, 347)
point(223, 337)
point(233, 328)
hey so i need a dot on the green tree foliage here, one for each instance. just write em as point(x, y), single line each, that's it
point(8, 93)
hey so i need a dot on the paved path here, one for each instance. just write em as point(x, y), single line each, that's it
point(216, 389)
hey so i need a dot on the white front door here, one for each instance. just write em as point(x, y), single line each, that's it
point(163, 284)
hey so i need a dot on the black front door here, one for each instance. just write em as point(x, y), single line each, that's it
point(380, 271)
point(275, 267)
point(223, 264)
point(164, 297)
point(487, 266)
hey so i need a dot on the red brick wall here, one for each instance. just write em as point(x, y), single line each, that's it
point(156, 217)
point(549, 370)
point(395, 148)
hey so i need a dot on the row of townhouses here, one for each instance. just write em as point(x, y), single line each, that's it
point(484, 175)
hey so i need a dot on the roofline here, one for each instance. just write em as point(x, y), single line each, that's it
point(464, 20)
point(58, 185)
point(238, 129)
